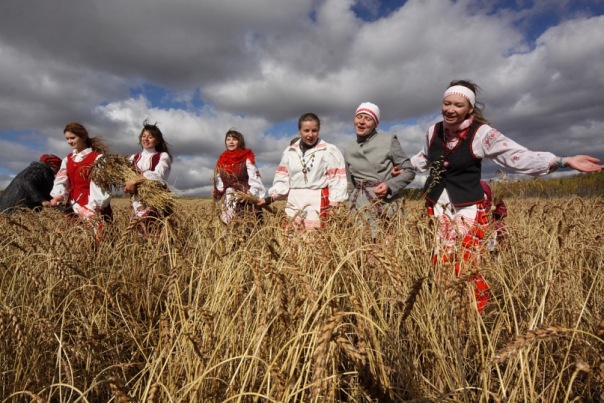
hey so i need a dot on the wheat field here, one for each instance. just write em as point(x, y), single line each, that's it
point(200, 312)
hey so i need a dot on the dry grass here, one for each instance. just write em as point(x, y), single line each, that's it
point(200, 312)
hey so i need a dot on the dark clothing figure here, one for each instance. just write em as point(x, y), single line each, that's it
point(29, 188)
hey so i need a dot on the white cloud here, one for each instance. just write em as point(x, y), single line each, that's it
point(259, 64)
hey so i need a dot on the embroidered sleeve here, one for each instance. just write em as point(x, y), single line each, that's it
point(61, 185)
point(336, 176)
point(97, 199)
point(420, 160)
point(255, 181)
point(492, 144)
point(280, 188)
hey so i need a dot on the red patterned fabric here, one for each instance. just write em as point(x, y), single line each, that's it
point(77, 172)
point(229, 159)
point(51, 160)
point(324, 204)
point(232, 168)
point(471, 249)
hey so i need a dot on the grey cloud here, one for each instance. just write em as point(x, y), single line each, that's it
point(260, 63)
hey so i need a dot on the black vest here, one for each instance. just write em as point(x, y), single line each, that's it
point(456, 170)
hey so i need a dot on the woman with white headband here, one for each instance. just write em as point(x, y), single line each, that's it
point(453, 153)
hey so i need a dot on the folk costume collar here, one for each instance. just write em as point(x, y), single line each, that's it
point(79, 156)
point(305, 147)
point(457, 132)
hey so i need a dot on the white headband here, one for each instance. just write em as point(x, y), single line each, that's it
point(463, 91)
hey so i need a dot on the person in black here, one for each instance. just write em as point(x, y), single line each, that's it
point(31, 187)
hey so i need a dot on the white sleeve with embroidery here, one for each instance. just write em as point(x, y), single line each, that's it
point(280, 188)
point(336, 175)
point(97, 199)
point(255, 181)
point(61, 186)
point(420, 160)
point(491, 143)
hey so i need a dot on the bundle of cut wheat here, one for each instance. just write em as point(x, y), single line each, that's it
point(112, 171)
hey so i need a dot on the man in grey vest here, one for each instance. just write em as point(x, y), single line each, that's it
point(370, 161)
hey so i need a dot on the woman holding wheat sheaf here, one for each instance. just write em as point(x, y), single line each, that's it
point(453, 153)
point(311, 175)
point(236, 172)
point(72, 185)
point(153, 163)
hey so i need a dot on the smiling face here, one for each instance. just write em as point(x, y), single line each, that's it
point(455, 109)
point(231, 143)
point(309, 132)
point(364, 124)
point(75, 142)
point(148, 140)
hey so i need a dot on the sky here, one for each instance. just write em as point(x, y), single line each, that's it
point(201, 67)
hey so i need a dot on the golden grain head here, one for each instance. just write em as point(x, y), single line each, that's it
point(207, 312)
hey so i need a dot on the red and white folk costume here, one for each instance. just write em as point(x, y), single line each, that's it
point(236, 171)
point(311, 181)
point(461, 224)
point(75, 187)
point(153, 165)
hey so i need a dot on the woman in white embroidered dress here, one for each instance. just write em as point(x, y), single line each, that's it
point(72, 186)
point(453, 152)
point(311, 174)
point(152, 163)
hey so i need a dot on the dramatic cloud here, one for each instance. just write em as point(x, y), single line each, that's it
point(200, 68)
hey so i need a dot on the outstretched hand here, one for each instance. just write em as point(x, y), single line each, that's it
point(583, 163)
